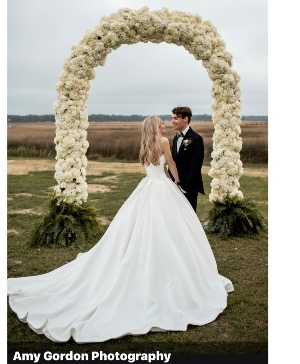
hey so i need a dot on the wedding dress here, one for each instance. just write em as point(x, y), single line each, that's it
point(152, 270)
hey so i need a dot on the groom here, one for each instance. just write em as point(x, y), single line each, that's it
point(188, 154)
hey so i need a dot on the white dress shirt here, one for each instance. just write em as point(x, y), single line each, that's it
point(180, 139)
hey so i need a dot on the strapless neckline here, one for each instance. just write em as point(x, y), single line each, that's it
point(151, 164)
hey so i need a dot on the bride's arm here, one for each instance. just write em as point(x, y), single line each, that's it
point(167, 152)
point(167, 171)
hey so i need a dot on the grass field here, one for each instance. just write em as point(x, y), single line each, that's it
point(121, 140)
point(241, 328)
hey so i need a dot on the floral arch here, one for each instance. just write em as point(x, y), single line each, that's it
point(198, 37)
point(71, 219)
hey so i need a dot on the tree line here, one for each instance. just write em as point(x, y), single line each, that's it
point(101, 117)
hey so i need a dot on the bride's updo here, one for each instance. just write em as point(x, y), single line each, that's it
point(150, 143)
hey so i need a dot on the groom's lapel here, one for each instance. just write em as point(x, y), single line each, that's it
point(174, 146)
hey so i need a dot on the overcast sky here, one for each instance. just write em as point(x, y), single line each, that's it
point(136, 79)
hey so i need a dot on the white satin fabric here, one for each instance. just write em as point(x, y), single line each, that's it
point(152, 270)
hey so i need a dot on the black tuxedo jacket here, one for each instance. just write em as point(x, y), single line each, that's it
point(189, 161)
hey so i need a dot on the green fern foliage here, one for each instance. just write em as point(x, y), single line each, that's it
point(66, 224)
point(236, 218)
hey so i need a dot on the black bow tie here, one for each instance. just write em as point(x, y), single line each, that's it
point(180, 135)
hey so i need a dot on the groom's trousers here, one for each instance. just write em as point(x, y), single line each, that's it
point(192, 198)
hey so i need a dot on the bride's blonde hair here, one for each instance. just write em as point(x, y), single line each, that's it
point(150, 144)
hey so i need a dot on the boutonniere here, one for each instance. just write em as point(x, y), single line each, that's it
point(186, 142)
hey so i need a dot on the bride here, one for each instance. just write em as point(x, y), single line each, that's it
point(153, 269)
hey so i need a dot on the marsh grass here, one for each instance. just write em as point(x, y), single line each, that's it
point(241, 328)
point(121, 140)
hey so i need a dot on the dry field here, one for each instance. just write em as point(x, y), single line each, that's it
point(121, 140)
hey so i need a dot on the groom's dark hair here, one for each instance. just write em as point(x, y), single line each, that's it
point(183, 111)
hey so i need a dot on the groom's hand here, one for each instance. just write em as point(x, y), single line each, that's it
point(183, 191)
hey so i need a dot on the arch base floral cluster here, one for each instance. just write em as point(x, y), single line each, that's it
point(201, 39)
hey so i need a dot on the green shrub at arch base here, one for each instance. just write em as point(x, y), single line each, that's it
point(66, 224)
point(236, 218)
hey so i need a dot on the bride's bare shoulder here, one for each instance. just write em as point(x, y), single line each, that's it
point(164, 140)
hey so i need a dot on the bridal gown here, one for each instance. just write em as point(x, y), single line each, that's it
point(153, 270)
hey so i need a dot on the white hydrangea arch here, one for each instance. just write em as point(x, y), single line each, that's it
point(128, 26)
